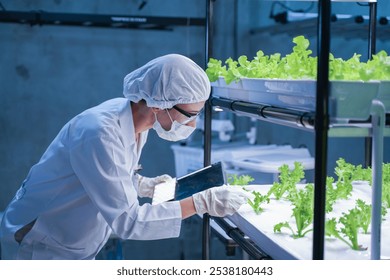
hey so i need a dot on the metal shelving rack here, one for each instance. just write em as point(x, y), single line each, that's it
point(318, 122)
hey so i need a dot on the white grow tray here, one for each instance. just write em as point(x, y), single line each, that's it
point(190, 158)
point(282, 246)
point(349, 100)
point(270, 162)
point(260, 158)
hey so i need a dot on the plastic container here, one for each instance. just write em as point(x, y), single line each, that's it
point(234, 90)
point(294, 94)
point(349, 100)
point(384, 94)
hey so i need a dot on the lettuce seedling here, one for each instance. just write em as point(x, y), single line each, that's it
point(302, 200)
point(215, 69)
point(365, 174)
point(362, 174)
point(331, 230)
point(386, 185)
point(247, 68)
point(299, 64)
point(347, 173)
point(331, 194)
point(350, 223)
point(344, 172)
point(242, 180)
point(288, 180)
point(365, 214)
point(349, 70)
point(233, 71)
point(267, 66)
point(258, 201)
point(378, 68)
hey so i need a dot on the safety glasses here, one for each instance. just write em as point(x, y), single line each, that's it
point(189, 115)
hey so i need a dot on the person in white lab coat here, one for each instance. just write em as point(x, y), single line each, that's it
point(85, 187)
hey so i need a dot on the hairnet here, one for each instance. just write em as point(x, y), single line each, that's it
point(166, 81)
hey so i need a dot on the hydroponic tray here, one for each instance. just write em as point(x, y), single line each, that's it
point(348, 100)
point(271, 162)
point(259, 228)
point(384, 94)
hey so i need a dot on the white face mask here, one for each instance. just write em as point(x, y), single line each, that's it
point(177, 132)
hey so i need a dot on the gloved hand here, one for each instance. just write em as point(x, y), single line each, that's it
point(220, 201)
point(146, 185)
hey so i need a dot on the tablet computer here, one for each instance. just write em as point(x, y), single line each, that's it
point(185, 186)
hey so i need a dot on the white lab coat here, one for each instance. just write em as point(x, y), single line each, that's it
point(81, 191)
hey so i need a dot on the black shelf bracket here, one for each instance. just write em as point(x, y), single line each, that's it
point(239, 237)
point(273, 114)
point(98, 20)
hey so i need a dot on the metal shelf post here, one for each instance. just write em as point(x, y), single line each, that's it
point(321, 128)
point(207, 129)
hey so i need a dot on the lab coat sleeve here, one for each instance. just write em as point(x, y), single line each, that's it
point(102, 165)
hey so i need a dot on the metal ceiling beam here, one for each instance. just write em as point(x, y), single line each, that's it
point(98, 20)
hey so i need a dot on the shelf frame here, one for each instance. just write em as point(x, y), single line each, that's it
point(98, 20)
point(239, 237)
point(376, 130)
point(282, 116)
point(319, 122)
point(206, 229)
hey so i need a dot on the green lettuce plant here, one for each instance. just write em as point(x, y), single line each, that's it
point(257, 202)
point(259, 199)
point(242, 180)
point(386, 185)
point(344, 172)
point(299, 64)
point(287, 180)
point(378, 68)
point(350, 223)
point(302, 201)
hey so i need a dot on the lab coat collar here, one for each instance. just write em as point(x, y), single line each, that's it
point(127, 125)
